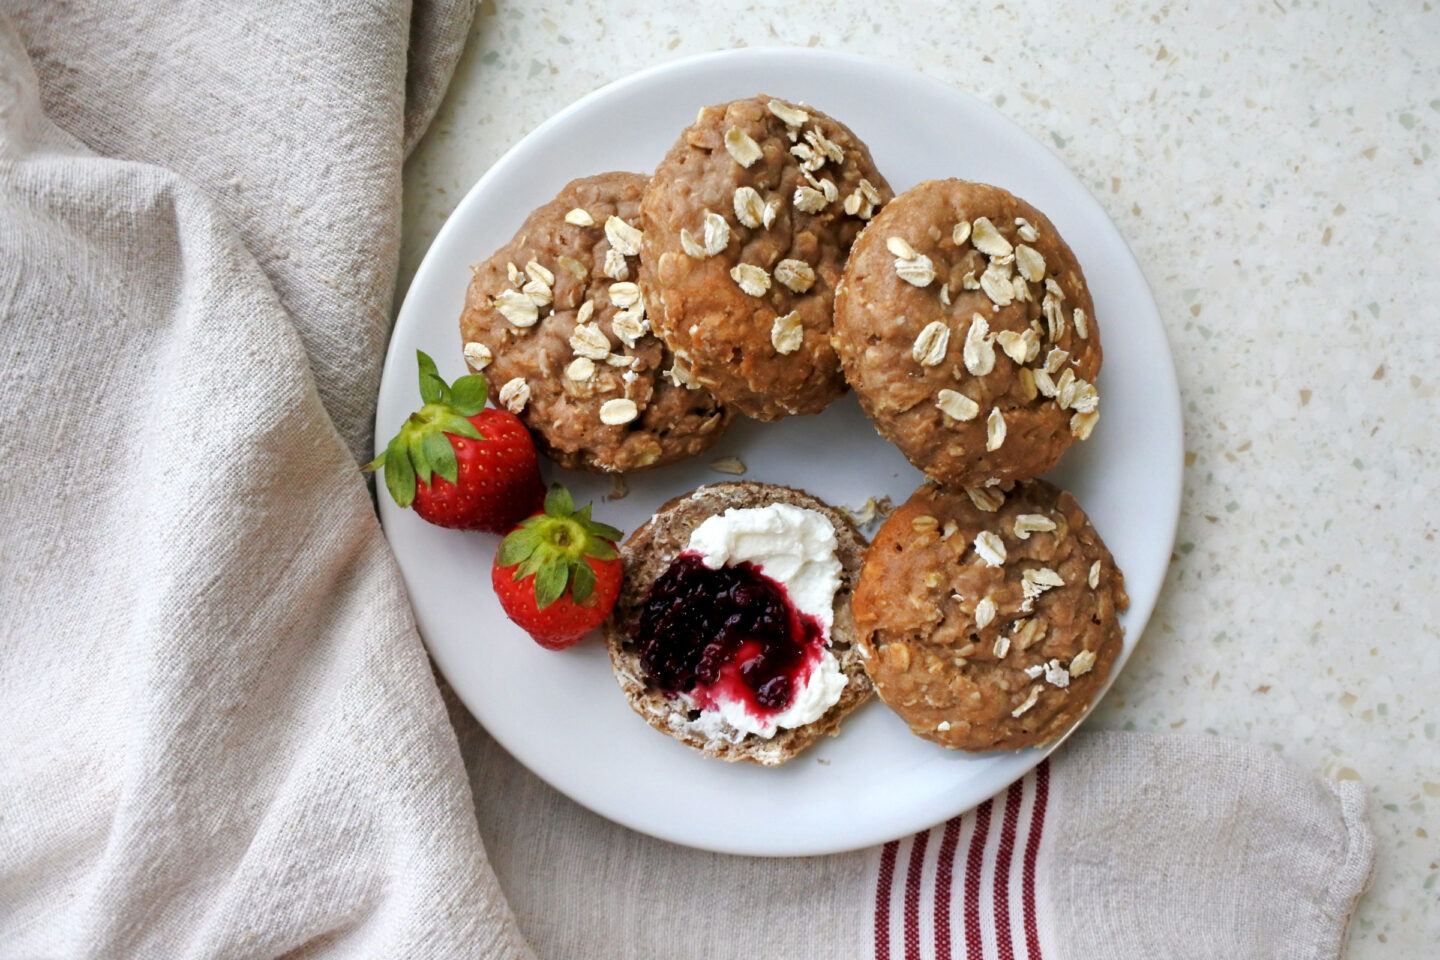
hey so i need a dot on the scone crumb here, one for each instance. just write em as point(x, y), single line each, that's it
point(1057, 674)
point(579, 217)
point(731, 465)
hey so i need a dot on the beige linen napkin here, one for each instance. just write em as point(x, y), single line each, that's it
point(219, 736)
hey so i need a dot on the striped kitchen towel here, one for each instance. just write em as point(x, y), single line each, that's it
point(1121, 845)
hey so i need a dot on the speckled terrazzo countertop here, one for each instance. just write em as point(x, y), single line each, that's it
point(1272, 165)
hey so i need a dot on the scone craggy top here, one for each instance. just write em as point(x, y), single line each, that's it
point(988, 619)
point(558, 324)
point(748, 221)
point(966, 328)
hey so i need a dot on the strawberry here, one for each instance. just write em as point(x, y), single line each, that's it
point(462, 466)
point(558, 573)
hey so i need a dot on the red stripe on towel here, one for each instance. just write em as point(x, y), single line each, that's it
point(974, 864)
point(1003, 858)
point(1032, 849)
point(882, 900)
point(912, 894)
point(945, 870)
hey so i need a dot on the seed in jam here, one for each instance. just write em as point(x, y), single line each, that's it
point(729, 633)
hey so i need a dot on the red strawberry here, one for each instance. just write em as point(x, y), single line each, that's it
point(461, 465)
point(557, 574)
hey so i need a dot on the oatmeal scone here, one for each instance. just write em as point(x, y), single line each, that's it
point(748, 221)
point(557, 323)
point(966, 328)
point(988, 618)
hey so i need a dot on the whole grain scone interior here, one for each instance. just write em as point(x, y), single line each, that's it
point(748, 221)
point(557, 322)
point(649, 552)
point(988, 618)
point(965, 326)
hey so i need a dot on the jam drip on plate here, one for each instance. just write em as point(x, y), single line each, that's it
point(726, 634)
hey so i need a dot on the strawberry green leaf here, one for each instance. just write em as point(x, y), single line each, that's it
point(558, 501)
point(467, 395)
point(432, 388)
point(550, 583)
point(399, 475)
point(517, 546)
point(582, 582)
point(458, 425)
point(415, 447)
point(600, 550)
point(530, 565)
point(441, 456)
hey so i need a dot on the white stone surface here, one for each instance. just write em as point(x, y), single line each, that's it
point(1272, 165)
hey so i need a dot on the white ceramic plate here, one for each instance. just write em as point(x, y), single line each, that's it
point(561, 714)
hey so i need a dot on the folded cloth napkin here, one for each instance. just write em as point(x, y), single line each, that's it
point(1121, 845)
point(219, 736)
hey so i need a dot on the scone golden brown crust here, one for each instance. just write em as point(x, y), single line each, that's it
point(967, 330)
point(748, 221)
point(556, 322)
point(988, 619)
point(682, 635)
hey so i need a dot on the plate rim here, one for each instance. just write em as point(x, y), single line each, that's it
point(1164, 373)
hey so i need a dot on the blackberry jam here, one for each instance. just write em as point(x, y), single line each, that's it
point(726, 634)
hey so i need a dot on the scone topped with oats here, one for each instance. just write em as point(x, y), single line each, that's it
point(747, 222)
point(967, 330)
point(988, 618)
point(556, 321)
